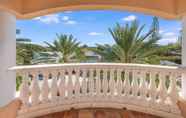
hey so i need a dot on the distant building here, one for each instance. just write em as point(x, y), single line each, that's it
point(92, 57)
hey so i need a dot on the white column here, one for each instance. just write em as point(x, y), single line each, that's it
point(7, 56)
point(184, 57)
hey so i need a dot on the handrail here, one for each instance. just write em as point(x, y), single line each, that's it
point(91, 64)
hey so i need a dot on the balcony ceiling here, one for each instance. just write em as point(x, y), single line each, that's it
point(171, 9)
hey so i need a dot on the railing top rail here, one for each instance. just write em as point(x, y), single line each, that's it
point(57, 66)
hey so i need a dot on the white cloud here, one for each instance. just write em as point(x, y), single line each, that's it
point(165, 41)
point(168, 37)
point(169, 34)
point(65, 18)
point(179, 29)
point(161, 31)
point(95, 33)
point(48, 19)
point(129, 18)
point(70, 22)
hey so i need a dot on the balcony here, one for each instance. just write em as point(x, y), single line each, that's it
point(54, 88)
point(48, 89)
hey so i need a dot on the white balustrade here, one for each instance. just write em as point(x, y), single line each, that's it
point(145, 88)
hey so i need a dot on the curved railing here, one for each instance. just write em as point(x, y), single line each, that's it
point(145, 88)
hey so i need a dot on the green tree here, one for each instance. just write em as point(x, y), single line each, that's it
point(67, 47)
point(25, 50)
point(107, 52)
point(170, 52)
point(131, 44)
point(155, 28)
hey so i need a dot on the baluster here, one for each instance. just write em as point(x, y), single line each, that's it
point(84, 83)
point(119, 82)
point(91, 82)
point(135, 84)
point(62, 85)
point(105, 83)
point(173, 91)
point(127, 86)
point(24, 90)
point(45, 87)
point(162, 88)
point(143, 85)
point(54, 86)
point(112, 83)
point(98, 83)
point(70, 84)
point(35, 90)
point(77, 83)
point(152, 87)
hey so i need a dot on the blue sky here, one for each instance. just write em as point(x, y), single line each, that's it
point(90, 27)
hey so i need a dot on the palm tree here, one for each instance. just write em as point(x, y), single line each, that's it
point(131, 46)
point(107, 52)
point(155, 28)
point(67, 47)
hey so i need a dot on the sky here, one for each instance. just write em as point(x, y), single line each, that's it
point(90, 27)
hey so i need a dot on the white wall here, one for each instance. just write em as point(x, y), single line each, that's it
point(7, 56)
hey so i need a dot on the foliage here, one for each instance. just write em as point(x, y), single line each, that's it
point(107, 52)
point(45, 57)
point(130, 45)
point(18, 82)
point(25, 50)
point(68, 47)
point(170, 52)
